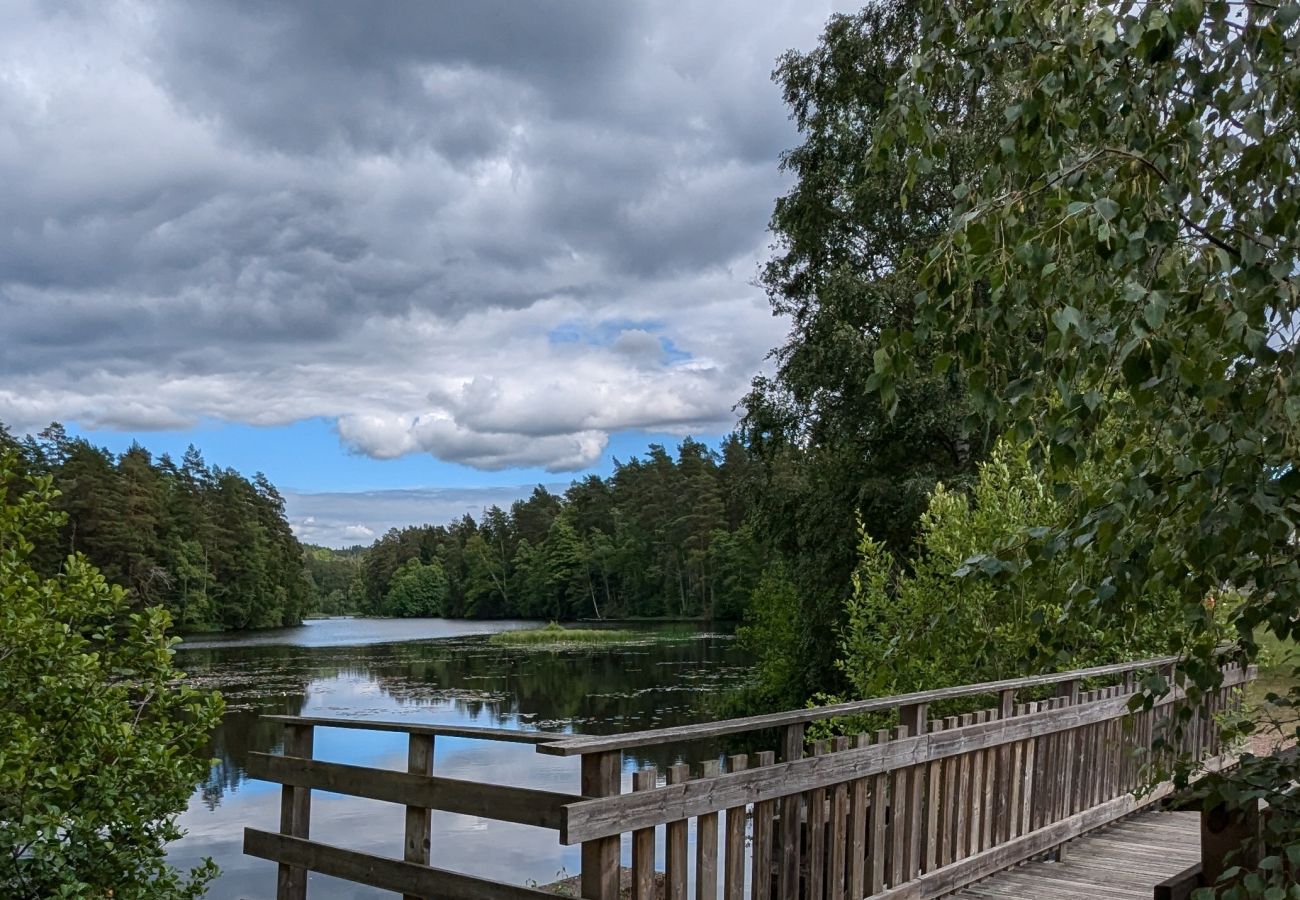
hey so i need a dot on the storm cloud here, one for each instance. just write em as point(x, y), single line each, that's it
point(495, 232)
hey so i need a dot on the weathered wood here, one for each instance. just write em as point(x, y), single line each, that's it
point(898, 817)
point(933, 793)
point(706, 844)
point(594, 818)
point(505, 735)
point(976, 789)
point(815, 803)
point(899, 791)
point(676, 838)
point(858, 821)
point(948, 824)
point(950, 878)
point(410, 879)
point(295, 814)
point(1182, 885)
point(419, 762)
point(837, 839)
point(524, 806)
point(602, 776)
point(733, 870)
point(760, 879)
point(791, 817)
point(1003, 802)
point(643, 844)
point(879, 822)
point(565, 745)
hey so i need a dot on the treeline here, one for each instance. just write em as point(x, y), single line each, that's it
point(205, 542)
point(661, 537)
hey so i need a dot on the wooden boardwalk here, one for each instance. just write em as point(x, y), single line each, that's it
point(1122, 861)
point(935, 806)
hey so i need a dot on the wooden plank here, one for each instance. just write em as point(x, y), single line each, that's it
point(815, 803)
point(410, 879)
point(838, 839)
point(565, 745)
point(506, 735)
point(899, 795)
point(914, 812)
point(976, 790)
point(760, 879)
point(1003, 802)
point(706, 844)
point(879, 822)
point(963, 797)
point(295, 814)
point(1015, 783)
point(858, 819)
point(643, 843)
point(948, 824)
point(791, 817)
point(988, 817)
point(959, 874)
point(419, 762)
point(676, 838)
point(602, 776)
point(593, 818)
point(523, 806)
point(933, 793)
point(733, 870)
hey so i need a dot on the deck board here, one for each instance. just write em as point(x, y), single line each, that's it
point(1124, 861)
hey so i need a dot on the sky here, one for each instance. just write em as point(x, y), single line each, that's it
point(407, 259)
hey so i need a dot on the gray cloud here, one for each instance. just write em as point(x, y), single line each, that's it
point(264, 211)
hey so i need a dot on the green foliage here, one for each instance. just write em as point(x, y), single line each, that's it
point(99, 747)
point(417, 589)
point(209, 545)
point(1140, 218)
point(773, 634)
point(924, 627)
point(661, 538)
point(828, 451)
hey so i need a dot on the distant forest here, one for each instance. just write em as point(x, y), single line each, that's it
point(661, 537)
point(207, 543)
point(664, 536)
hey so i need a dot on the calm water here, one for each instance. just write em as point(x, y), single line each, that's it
point(428, 670)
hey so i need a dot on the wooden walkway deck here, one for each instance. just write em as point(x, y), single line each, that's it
point(1122, 861)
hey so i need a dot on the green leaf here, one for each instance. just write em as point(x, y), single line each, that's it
point(1106, 208)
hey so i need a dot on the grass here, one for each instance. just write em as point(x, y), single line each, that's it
point(555, 633)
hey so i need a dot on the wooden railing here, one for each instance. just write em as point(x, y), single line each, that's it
point(914, 811)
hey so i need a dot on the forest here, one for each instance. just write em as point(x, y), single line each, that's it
point(662, 537)
point(209, 545)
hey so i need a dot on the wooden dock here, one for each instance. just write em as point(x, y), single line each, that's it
point(1124, 861)
point(960, 796)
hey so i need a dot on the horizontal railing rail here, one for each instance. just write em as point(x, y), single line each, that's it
point(587, 819)
point(458, 731)
point(576, 745)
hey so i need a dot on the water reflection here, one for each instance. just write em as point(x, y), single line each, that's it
point(432, 676)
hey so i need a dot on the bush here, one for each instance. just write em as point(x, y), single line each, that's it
point(100, 748)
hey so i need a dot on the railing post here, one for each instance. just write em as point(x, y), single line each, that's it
point(295, 814)
point(1069, 690)
point(601, 777)
point(791, 819)
point(913, 717)
point(419, 820)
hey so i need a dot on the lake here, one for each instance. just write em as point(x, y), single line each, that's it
point(429, 671)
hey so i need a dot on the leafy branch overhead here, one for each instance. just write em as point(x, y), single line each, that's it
point(1138, 217)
